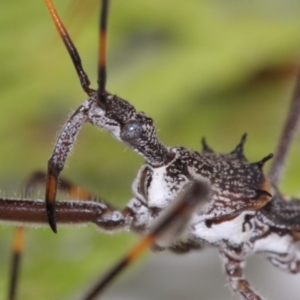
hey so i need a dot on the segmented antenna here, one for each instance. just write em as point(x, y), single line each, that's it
point(102, 52)
point(84, 80)
point(53, 172)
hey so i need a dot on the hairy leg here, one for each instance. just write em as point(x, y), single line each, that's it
point(234, 270)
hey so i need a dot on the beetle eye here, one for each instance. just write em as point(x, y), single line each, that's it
point(131, 131)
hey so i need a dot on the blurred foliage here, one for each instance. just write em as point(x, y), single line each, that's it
point(198, 67)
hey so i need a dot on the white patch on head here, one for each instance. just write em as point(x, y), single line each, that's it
point(96, 116)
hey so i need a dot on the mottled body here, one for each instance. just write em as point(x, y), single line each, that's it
point(245, 213)
point(238, 210)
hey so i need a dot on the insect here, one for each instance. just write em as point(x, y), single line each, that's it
point(245, 223)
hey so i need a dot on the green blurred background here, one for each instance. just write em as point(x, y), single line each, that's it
point(209, 68)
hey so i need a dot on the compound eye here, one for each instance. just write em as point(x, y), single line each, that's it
point(131, 131)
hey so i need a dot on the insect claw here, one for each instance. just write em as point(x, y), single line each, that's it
point(51, 216)
point(50, 196)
